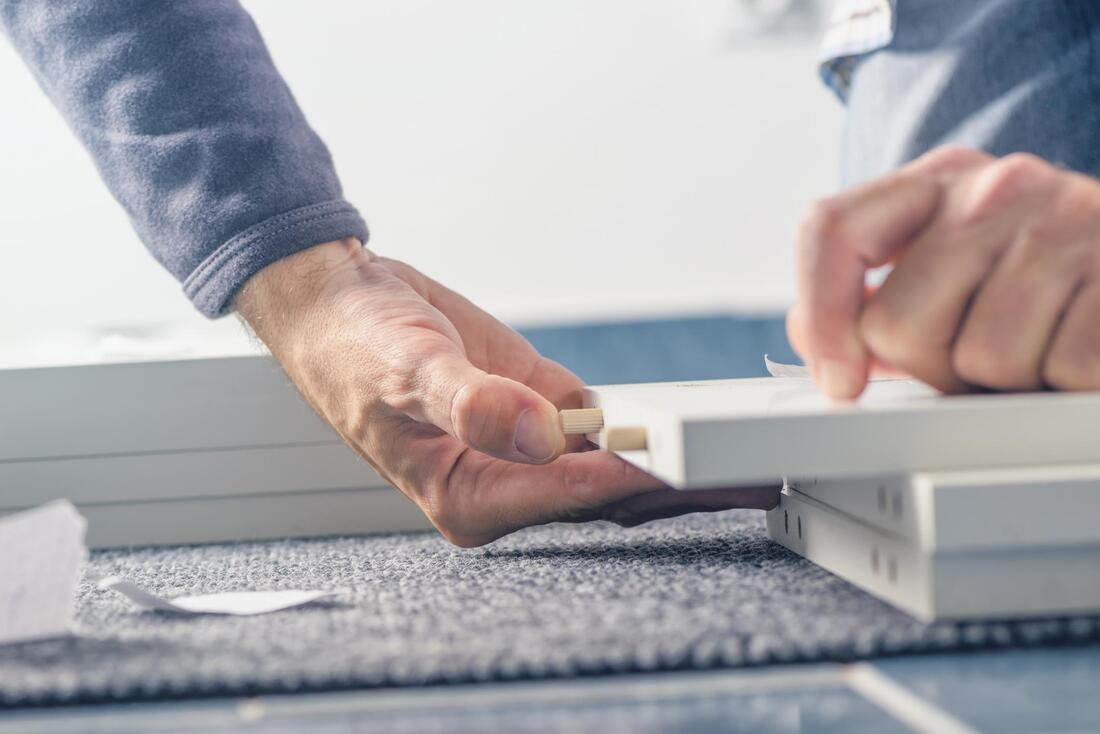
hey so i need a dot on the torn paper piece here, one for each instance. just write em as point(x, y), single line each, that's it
point(802, 372)
point(42, 552)
point(239, 603)
point(778, 369)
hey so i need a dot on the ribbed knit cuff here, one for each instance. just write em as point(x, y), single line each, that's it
point(216, 281)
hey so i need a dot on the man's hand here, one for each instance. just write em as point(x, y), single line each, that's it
point(995, 281)
point(448, 404)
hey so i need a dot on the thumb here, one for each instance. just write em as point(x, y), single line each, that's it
point(493, 414)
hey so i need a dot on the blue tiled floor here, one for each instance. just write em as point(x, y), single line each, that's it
point(742, 701)
point(1014, 691)
point(825, 710)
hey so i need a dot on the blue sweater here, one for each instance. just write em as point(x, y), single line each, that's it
point(193, 130)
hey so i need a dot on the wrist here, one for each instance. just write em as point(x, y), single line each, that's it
point(297, 283)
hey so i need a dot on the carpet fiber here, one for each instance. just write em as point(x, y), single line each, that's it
point(695, 592)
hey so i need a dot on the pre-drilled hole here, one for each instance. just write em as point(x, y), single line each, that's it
point(800, 527)
point(786, 523)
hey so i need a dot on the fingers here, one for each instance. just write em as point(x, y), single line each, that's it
point(839, 241)
point(912, 320)
point(492, 414)
point(1011, 321)
point(845, 236)
point(947, 162)
point(940, 317)
point(1073, 359)
point(494, 347)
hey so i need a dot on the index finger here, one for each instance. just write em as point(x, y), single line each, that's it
point(842, 238)
point(839, 242)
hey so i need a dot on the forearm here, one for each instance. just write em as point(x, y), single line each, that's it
point(192, 128)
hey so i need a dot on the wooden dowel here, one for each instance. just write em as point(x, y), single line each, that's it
point(625, 439)
point(590, 420)
point(581, 420)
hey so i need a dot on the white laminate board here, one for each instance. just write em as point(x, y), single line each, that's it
point(250, 517)
point(881, 564)
point(998, 583)
point(728, 432)
point(180, 405)
point(1015, 507)
point(177, 475)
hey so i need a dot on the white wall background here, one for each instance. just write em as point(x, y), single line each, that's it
point(555, 160)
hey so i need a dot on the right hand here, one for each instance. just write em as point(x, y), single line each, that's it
point(448, 404)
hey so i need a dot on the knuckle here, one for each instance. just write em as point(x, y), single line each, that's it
point(400, 380)
point(888, 333)
point(982, 362)
point(1070, 370)
point(470, 422)
point(1021, 168)
point(1081, 195)
point(1005, 180)
point(949, 156)
point(824, 224)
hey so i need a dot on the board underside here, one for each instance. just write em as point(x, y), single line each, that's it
point(947, 507)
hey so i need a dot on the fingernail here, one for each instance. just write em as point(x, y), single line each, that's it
point(838, 379)
point(537, 436)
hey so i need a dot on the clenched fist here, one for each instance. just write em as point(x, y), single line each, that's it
point(995, 281)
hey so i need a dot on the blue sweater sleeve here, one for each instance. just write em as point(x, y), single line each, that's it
point(193, 130)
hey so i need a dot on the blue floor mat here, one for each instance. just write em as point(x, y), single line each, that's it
point(675, 349)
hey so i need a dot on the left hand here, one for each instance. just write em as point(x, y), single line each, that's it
point(995, 284)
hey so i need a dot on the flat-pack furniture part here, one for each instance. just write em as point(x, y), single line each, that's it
point(746, 431)
point(980, 509)
point(1008, 582)
point(944, 506)
point(185, 451)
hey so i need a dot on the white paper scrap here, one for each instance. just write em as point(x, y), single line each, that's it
point(802, 372)
point(238, 603)
point(778, 369)
point(41, 555)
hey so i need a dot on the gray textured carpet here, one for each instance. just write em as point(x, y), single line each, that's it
point(694, 592)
